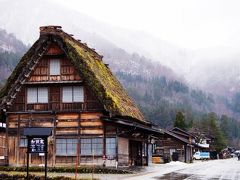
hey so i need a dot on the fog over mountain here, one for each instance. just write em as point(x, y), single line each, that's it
point(213, 69)
point(161, 77)
point(33, 14)
point(101, 36)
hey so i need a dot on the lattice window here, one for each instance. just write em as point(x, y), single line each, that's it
point(92, 146)
point(66, 147)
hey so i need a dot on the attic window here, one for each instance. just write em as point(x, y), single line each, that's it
point(37, 95)
point(54, 67)
point(72, 94)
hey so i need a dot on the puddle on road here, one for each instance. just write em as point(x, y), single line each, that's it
point(180, 176)
point(173, 176)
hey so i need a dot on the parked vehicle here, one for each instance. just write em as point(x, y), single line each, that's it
point(233, 155)
point(201, 155)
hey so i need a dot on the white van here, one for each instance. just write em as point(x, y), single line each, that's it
point(201, 155)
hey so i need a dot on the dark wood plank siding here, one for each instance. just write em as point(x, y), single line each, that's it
point(3, 147)
point(54, 50)
point(55, 101)
point(65, 125)
point(40, 77)
point(41, 72)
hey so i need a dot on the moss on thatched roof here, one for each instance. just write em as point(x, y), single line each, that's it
point(90, 66)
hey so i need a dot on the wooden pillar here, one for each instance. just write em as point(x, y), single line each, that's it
point(104, 138)
point(79, 140)
point(30, 125)
point(54, 140)
point(146, 149)
point(18, 140)
point(116, 146)
point(141, 152)
point(6, 142)
point(185, 153)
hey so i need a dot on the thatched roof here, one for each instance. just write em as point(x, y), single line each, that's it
point(89, 65)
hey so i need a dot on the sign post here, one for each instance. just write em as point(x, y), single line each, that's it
point(37, 143)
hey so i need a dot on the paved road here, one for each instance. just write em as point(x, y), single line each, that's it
point(227, 169)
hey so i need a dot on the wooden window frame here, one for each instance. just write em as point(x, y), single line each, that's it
point(37, 89)
point(91, 152)
point(72, 94)
point(67, 148)
point(59, 68)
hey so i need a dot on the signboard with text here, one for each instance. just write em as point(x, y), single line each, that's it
point(37, 144)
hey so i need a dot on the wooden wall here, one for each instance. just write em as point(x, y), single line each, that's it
point(68, 125)
point(40, 77)
point(169, 144)
point(3, 147)
point(65, 125)
point(16, 123)
point(55, 101)
point(41, 72)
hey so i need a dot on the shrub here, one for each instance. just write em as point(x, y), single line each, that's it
point(81, 169)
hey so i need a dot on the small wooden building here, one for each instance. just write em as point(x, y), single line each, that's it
point(175, 144)
point(63, 84)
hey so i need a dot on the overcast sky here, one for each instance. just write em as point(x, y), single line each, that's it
point(186, 23)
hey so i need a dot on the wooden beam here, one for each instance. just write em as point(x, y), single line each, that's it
point(53, 82)
point(21, 78)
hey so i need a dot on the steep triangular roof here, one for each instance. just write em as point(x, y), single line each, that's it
point(89, 65)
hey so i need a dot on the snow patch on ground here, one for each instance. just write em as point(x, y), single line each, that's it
point(176, 163)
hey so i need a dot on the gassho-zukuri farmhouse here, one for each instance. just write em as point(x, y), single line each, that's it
point(61, 83)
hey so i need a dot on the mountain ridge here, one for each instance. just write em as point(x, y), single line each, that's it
point(156, 89)
point(192, 66)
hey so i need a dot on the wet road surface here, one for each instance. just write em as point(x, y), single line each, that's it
point(226, 169)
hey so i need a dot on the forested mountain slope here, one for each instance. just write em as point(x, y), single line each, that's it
point(158, 91)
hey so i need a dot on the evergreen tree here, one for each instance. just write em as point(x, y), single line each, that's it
point(224, 126)
point(180, 121)
point(214, 131)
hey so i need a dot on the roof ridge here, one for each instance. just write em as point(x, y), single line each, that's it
point(57, 30)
